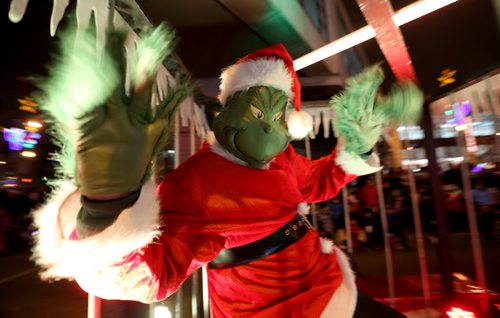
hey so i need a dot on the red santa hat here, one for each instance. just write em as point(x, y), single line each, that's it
point(273, 67)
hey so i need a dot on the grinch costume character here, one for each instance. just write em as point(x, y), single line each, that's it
point(236, 206)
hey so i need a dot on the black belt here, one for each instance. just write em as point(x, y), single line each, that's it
point(279, 240)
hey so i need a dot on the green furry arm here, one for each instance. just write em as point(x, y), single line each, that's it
point(108, 138)
point(360, 113)
point(354, 117)
point(403, 105)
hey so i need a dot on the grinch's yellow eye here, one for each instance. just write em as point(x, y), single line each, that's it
point(277, 116)
point(257, 113)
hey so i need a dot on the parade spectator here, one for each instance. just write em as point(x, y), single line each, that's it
point(484, 205)
point(369, 214)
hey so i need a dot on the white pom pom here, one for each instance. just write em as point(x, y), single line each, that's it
point(299, 124)
point(303, 208)
point(326, 245)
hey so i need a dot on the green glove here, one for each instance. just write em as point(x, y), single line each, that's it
point(361, 114)
point(119, 141)
point(113, 137)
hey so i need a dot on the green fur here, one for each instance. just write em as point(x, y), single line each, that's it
point(355, 119)
point(360, 113)
point(80, 83)
point(403, 105)
point(152, 50)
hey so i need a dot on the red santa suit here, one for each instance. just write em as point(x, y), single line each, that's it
point(211, 202)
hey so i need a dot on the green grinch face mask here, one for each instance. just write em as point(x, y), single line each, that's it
point(252, 125)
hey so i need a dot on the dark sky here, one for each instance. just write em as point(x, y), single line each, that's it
point(26, 45)
point(24, 52)
point(462, 36)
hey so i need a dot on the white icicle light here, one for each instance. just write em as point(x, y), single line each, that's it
point(58, 9)
point(17, 10)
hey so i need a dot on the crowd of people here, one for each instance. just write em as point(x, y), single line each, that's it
point(363, 205)
point(364, 212)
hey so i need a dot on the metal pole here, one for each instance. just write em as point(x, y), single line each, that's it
point(176, 312)
point(177, 144)
point(347, 219)
point(307, 143)
point(424, 275)
point(197, 295)
point(206, 305)
point(192, 138)
point(314, 217)
point(474, 232)
point(444, 255)
point(93, 307)
point(197, 300)
point(385, 231)
point(195, 276)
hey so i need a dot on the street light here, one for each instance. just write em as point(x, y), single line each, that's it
point(34, 124)
point(405, 15)
point(161, 311)
point(28, 154)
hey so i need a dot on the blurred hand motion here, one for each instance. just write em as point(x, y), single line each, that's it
point(108, 137)
point(361, 113)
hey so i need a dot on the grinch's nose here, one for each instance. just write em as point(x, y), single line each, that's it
point(266, 127)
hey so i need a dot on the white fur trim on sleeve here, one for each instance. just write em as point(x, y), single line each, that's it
point(343, 302)
point(61, 257)
point(354, 164)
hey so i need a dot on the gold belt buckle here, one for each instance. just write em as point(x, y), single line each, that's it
point(306, 221)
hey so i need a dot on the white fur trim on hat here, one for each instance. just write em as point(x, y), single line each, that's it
point(62, 257)
point(270, 72)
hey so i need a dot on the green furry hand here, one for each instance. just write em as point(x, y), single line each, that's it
point(361, 114)
point(112, 135)
point(118, 142)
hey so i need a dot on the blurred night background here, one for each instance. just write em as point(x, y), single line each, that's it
point(449, 163)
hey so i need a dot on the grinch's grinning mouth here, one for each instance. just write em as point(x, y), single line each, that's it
point(231, 137)
point(231, 134)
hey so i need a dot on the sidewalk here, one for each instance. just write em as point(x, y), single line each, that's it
point(23, 294)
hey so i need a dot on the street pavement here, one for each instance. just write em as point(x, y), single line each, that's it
point(23, 294)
